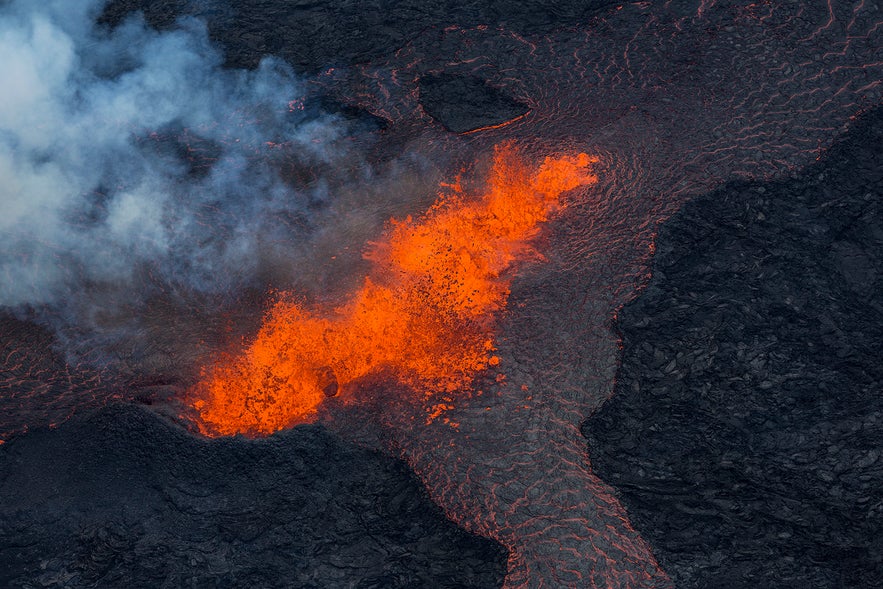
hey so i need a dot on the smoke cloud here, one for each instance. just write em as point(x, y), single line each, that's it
point(128, 152)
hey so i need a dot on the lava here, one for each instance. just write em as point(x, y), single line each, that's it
point(425, 314)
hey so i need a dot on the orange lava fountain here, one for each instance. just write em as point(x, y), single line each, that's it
point(425, 314)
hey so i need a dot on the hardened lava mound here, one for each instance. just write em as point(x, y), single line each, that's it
point(744, 432)
point(121, 498)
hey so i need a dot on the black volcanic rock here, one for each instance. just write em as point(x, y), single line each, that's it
point(122, 498)
point(466, 103)
point(312, 34)
point(745, 433)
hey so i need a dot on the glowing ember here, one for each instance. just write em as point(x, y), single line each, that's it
point(425, 315)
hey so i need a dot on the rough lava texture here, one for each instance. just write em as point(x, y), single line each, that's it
point(744, 434)
point(676, 98)
point(466, 103)
point(312, 35)
point(122, 498)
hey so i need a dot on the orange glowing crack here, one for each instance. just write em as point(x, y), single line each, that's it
point(497, 126)
point(425, 315)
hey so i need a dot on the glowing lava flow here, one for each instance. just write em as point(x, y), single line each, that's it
point(424, 315)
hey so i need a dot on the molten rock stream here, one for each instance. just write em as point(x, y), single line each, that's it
point(425, 314)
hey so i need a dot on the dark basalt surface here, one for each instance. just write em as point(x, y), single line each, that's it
point(315, 35)
point(466, 103)
point(122, 498)
point(746, 428)
point(312, 35)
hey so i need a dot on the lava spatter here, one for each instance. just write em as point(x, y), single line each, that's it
point(425, 314)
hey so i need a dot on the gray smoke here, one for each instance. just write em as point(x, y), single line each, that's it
point(132, 151)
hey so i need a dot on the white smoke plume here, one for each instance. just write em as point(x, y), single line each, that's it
point(131, 150)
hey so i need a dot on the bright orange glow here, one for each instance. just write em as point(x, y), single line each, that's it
point(425, 315)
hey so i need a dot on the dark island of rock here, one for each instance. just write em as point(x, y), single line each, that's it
point(122, 498)
point(745, 433)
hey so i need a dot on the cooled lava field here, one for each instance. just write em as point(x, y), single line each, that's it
point(408, 294)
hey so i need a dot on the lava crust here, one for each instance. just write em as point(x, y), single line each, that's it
point(121, 498)
point(464, 104)
point(744, 432)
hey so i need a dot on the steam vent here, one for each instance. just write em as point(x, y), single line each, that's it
point(434, 294)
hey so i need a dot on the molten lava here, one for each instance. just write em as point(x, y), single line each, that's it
point(425, 314)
